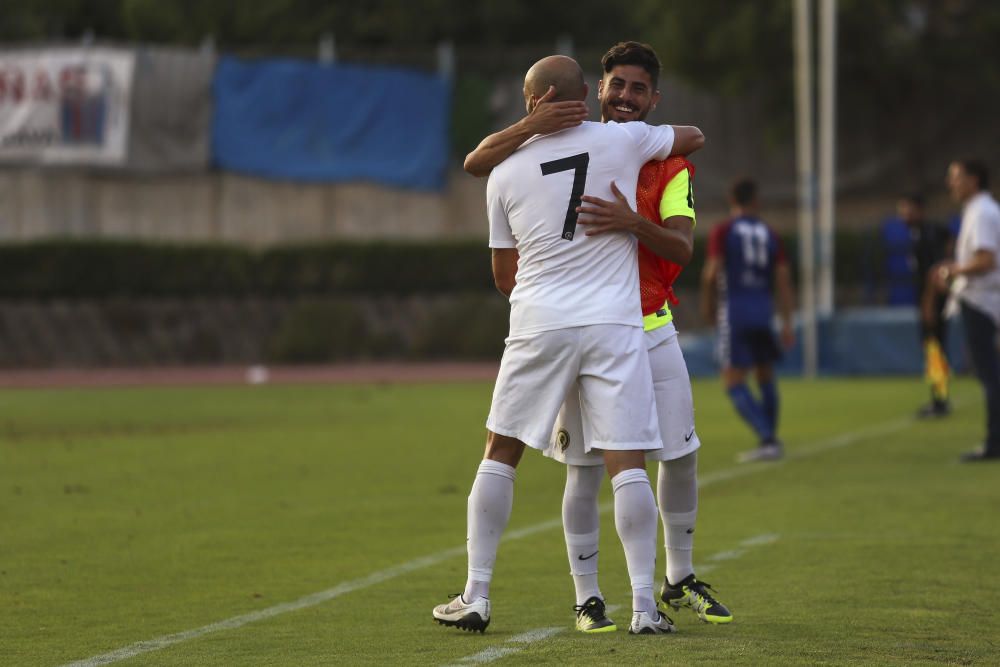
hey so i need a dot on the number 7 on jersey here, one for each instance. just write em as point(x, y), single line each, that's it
point(578, 163)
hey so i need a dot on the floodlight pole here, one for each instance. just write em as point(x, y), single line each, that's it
point(564, 45)
point(827, 151)
point(446, 60)
point(805, 160)
point(326, 52)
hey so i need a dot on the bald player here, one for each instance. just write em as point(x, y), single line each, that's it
point(664, 225)
point(575, 321)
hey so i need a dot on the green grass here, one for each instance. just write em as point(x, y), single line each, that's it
point(127, 515)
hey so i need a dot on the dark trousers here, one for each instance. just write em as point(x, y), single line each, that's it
point(939, 329)
point(980, 334)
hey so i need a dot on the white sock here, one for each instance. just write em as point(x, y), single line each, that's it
point(490, 502)
point(583, 569)
point(635, 519)
point(679, 543)
point(581, 527)
point(677, 497)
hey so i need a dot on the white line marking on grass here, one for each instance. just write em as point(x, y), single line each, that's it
point(715, 559)
point(541, 634)
point(530, 530)
point(149, 645)
point(312, 600)
point(496, 652)
point(760, 540)
point(525, 639)
point(808, 451)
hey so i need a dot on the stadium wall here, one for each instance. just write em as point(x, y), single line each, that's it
point(218, 206)
point(224, 206)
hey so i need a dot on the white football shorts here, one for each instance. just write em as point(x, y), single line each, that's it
point(607, 368)
point(674, 407)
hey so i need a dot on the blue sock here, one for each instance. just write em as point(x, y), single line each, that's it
point(769, 404)
point(750, 410)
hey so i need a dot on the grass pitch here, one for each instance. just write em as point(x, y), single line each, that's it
point(143, 514)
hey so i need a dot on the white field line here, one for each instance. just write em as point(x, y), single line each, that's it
point(157, 643)
point(808, 451)
point(541, 634)
point(804, 452)
point(312, 600)
point(515, 644)
point(713, 561)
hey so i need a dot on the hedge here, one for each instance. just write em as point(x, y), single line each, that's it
point(102, 269)
point(73, 269)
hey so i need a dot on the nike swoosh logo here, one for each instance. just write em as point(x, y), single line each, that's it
point(689, 436)
point(582, 557)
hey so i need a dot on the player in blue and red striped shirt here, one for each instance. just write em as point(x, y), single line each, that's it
point(745, 267)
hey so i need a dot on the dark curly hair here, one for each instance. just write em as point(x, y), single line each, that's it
point(633, 53)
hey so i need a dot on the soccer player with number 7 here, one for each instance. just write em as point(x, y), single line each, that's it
point(627, 92)
point(575, 324)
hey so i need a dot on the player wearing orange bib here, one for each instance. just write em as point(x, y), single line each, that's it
point(663, 224)
point(656, 274)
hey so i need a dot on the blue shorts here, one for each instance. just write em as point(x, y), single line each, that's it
point(747, 346)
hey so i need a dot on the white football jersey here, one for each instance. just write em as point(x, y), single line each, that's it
point(565, 278)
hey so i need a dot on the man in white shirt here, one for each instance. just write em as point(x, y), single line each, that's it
point(974, 281)
point(664, 226)
point(575, 321)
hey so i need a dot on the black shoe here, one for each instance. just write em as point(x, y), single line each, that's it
point(591, 616)
point(934, 410)
point(689, 592)
point(979, 455)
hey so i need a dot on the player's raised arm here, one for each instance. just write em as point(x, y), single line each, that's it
point(658, 142)
point(687, 139)
point(545, 118)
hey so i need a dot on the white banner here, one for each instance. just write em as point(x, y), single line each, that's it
point(65, 106)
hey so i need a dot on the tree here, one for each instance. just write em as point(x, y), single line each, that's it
point(915, 78)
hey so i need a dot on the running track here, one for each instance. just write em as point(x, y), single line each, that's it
point(381, 372)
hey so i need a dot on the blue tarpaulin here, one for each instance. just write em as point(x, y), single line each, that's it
point(303, 121)
point(854, 341)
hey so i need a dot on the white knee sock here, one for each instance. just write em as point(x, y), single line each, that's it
point(490, 501)
point(581, 526)
point(677, 496)
point(635, 519)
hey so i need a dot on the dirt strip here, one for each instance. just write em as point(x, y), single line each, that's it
point(382, 372)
